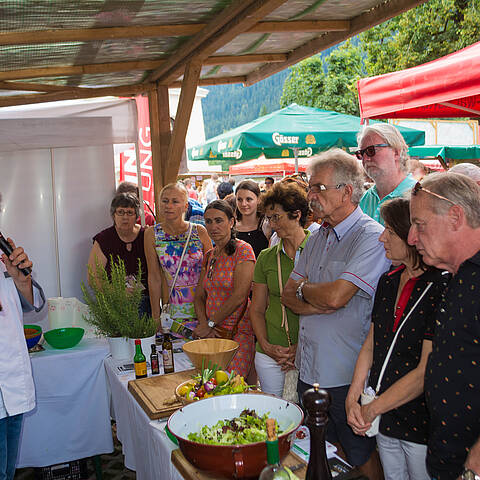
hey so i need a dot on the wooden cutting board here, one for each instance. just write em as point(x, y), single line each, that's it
point(189, 472)
point(152, 392)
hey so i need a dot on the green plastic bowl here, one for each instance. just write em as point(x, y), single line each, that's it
point(64, 337)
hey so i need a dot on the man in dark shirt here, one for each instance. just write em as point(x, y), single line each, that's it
point(445, 215)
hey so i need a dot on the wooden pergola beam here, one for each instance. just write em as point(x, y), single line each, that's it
point(182, 119)
point(153, 31)
point(203, 82)
point(301, 26)
point(379, 14)
point(99, 68)
point(76, 93)
point(36, 87)
point(67, 70)
point(196, 41)
point(215, 35)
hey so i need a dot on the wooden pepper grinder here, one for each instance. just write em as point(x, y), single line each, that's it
point(316, 402)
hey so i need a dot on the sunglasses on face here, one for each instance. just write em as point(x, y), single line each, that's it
point(418, 187)
point(370, 150)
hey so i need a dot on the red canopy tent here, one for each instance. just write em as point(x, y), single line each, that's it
point(268, 166)
point(447, 87)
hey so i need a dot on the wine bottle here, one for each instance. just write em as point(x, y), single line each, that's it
point(316, 402)
point(167, 353)
point(274, 469)
point(154, 360)
point(139, 361)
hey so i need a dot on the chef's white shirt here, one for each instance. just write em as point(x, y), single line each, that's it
point(17, 392)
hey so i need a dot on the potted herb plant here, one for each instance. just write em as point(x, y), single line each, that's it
point(114, 308)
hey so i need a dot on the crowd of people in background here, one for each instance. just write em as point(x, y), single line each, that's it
point(361, 276)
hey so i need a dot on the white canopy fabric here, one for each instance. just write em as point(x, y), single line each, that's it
point(64, 131)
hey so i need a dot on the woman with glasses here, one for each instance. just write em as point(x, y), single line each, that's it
point(402, 316)
point(124, 239)
point(174, 249)
point(311, 222)
point(276, 327)
point(249, 218)
point(222, 294)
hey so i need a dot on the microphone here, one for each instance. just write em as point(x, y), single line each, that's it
point(7, 250)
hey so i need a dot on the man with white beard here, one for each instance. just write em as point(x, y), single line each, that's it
point(384, 156)
point(332, 288)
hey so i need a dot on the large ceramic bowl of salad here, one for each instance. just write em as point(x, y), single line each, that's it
point(226, 435)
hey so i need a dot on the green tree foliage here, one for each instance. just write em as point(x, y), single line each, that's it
point(263, 110)
point(228, 106)
point(425, 33)
point(305, 84)
point(329, 84)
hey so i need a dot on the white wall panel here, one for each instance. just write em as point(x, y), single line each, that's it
point(54, 200)
point(84, 185)
point(27, 213)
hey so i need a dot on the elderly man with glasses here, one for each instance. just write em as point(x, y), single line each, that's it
point(332, 288)
point(445, 217)
point(384, 156)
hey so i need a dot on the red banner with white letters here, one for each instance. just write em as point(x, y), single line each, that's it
point(128, 166)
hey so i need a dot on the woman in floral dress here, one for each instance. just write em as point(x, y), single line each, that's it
point(221, 297)
point(164, 244)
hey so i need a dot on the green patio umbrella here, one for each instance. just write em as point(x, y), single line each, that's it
point(293, 131)
point(448, 155)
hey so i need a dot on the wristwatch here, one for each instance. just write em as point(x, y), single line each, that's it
point(468, 474)
point(211, 324)
point(299, 293)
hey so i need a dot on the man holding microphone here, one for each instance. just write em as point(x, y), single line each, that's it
point(18, 294)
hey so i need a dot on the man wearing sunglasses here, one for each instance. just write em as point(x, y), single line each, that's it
point(384, 156)
point(445, 216)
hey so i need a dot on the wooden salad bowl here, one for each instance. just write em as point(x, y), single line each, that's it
point(211, 351)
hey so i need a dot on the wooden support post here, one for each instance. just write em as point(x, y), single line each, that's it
point(159, 135)
point(182, 118)
point(165, 127)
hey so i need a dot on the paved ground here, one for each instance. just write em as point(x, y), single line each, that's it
point(112, 467)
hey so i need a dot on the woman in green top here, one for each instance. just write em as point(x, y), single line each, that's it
point(286, 208)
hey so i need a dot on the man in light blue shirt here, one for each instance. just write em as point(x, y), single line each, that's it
point(332, 288)
point(384, 156)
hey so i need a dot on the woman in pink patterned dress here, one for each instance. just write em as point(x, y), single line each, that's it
point(221, 297)
point(164, 244)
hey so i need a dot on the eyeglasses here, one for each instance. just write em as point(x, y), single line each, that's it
point(211, 267)
point(129, 213)
point(274, 218)
point(320, 187)
point(418, 187)
point(370, 150)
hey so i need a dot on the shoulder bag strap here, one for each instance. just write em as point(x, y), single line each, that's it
point(181, 260)
point(284, 310)
point(390, 350)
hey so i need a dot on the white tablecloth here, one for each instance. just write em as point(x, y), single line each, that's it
point(146, 447)
point(72, 416)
